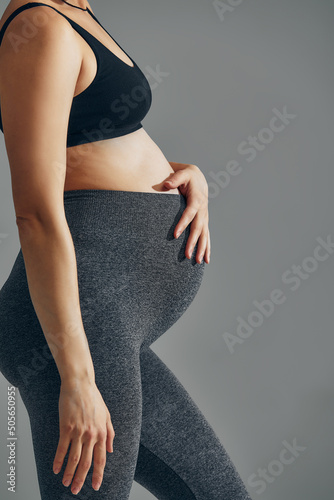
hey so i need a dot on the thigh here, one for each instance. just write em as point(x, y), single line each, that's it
point(180, 456)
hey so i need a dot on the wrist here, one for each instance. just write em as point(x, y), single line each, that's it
point(75, 377)
point(76, 384)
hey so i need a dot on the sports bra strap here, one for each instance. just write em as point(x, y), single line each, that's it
point(25, 7)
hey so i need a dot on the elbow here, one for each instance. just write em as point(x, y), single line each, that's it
point(29, 224)
point(28, 219)
point(23, 218)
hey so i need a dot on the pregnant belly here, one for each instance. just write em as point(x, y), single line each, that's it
point(132, 162)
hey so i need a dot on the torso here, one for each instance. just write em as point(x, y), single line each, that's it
point(132, 162)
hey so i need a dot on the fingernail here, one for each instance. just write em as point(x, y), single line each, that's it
point(56, 470)
point(177, 234)
point(67, 482)
point(76, 490)
point(96, 486)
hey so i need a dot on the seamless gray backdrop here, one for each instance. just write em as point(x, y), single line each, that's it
point(229, 70)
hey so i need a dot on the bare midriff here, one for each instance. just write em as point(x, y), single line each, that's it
point(132, 162)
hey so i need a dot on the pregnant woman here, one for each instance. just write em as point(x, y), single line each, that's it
point(101, 273)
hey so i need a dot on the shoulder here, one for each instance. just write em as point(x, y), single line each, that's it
point(37, 48)
point(38, 26)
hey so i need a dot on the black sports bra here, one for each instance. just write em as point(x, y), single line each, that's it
point(114, 103)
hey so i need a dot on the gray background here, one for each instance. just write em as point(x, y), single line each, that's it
point(225, 77)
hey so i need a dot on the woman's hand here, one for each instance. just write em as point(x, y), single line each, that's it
point(192, 184)
point(84, 421)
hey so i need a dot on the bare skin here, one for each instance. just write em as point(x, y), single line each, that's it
point(42, 169)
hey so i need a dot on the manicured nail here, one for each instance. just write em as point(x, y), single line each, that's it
point(96, 486)
point(177, 234)
point(76, 490)
point(67, 482)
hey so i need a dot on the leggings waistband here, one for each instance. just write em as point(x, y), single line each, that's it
point(103, 207)
point(113, 193)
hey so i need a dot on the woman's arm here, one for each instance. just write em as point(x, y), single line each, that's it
point(35, 103)
point(192, 183)
point(37, 85)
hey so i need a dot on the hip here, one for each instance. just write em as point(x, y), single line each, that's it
point(134, 279)
point(125, 251)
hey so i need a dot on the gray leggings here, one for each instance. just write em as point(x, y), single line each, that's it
point(134, 284)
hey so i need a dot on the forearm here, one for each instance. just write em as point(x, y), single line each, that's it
point(51, 270)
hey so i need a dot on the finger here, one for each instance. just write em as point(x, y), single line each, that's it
point(208, 249)
point(83, 466)
point(187, 216)
point(201, 247)
point(195, 231)
point(110, 436)
point(72, 461)
point(179, 177)
point(99, 463)
point(63, 444)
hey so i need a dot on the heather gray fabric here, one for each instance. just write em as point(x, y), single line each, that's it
point(134, 284)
